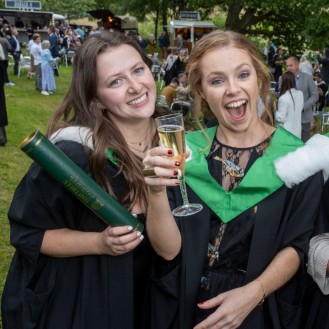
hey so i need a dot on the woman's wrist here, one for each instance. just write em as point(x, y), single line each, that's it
point(262, 300)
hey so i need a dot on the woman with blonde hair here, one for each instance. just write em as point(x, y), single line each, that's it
point(239, 262)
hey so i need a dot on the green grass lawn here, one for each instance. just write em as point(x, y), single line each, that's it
point(27, 111)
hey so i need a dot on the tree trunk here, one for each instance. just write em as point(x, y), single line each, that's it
point(232, 20)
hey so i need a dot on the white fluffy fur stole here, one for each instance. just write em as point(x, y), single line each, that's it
point(307, 160)
point(77, 134)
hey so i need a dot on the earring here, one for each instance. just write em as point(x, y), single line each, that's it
point(260, 106)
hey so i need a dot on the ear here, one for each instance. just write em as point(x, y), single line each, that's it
point(99, 105)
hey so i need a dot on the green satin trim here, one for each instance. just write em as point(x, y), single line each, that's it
point(111, 156)
point(260, 181)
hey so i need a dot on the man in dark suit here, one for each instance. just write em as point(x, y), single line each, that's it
point(54, 45)
point(305, 83)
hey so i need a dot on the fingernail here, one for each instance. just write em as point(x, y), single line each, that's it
point(177, 163)
point(130, 228)
point(141, 237)
point(139, 233)
point(135, 215)
point(170, 152)
point(175, 173)
point(201, 303)
point(177, 182)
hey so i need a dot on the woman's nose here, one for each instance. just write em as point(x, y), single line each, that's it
point(232, 87)
point(134, 86)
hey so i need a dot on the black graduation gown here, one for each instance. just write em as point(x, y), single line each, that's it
point(3, 108)
point(282, 219)
point(316, 304)
point(69, 293)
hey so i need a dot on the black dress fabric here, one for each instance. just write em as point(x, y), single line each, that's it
point(69, 293)
point(3, 108)
point(229, 244)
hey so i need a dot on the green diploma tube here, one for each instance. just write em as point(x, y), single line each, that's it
point(65, 171)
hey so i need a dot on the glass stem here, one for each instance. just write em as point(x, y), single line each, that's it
point(182, 187)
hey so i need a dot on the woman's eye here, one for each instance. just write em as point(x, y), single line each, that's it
point(217, 81)
point(139, 70)
point(115, 83)
point(244, 75)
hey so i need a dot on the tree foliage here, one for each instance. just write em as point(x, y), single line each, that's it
point(71, 9)
point(296, 24)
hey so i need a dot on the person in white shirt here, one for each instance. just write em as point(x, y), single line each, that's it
point(36, 54)
point(170, 60)
point(290, 106)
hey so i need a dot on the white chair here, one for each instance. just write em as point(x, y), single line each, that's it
point(55, 64)
point(323, 118)
point(180, 107)
point(10, 60)
point(69, 57)
point(155, 69)
point(162, 102)
point(24, 64)
point(324, 122)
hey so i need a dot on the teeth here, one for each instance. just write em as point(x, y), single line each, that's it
point(137, 101)
point(236, 104)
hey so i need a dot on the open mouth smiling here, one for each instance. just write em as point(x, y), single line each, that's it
point(237, 109)
point(138, 100)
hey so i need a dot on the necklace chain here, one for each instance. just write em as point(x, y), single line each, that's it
point(138, 143)
point(136, 149)
point(144, 139)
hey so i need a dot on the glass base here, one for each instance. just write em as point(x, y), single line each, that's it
point(187, 210)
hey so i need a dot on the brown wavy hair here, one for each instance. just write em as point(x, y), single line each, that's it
point(79, 108)
point(219, 39)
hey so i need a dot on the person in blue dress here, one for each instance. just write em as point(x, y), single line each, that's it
point(48, 78)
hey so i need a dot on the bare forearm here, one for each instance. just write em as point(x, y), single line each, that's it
point(69, 243)
point(161, 227)
point(282, 268)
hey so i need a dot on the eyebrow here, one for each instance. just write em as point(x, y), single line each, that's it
point(235, 69)
point(115, 75)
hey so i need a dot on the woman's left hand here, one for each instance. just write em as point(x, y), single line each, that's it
point(232, 307)
point(164, 168)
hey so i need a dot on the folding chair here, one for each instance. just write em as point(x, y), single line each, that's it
point(180, 106)
point(24, 64)
point(69, 57)
point(55, 65)
point(155, 69)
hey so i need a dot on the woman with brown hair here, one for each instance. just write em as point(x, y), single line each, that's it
point(290, 105)
point(70, 269)
point(239, 262)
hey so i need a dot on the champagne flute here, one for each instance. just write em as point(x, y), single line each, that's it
point(172, 135)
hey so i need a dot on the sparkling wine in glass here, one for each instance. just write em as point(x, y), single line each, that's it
point(172, 135)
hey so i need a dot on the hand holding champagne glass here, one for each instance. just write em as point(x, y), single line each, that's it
point(172, 135)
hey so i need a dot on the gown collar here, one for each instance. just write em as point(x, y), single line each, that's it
point(260, 181)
